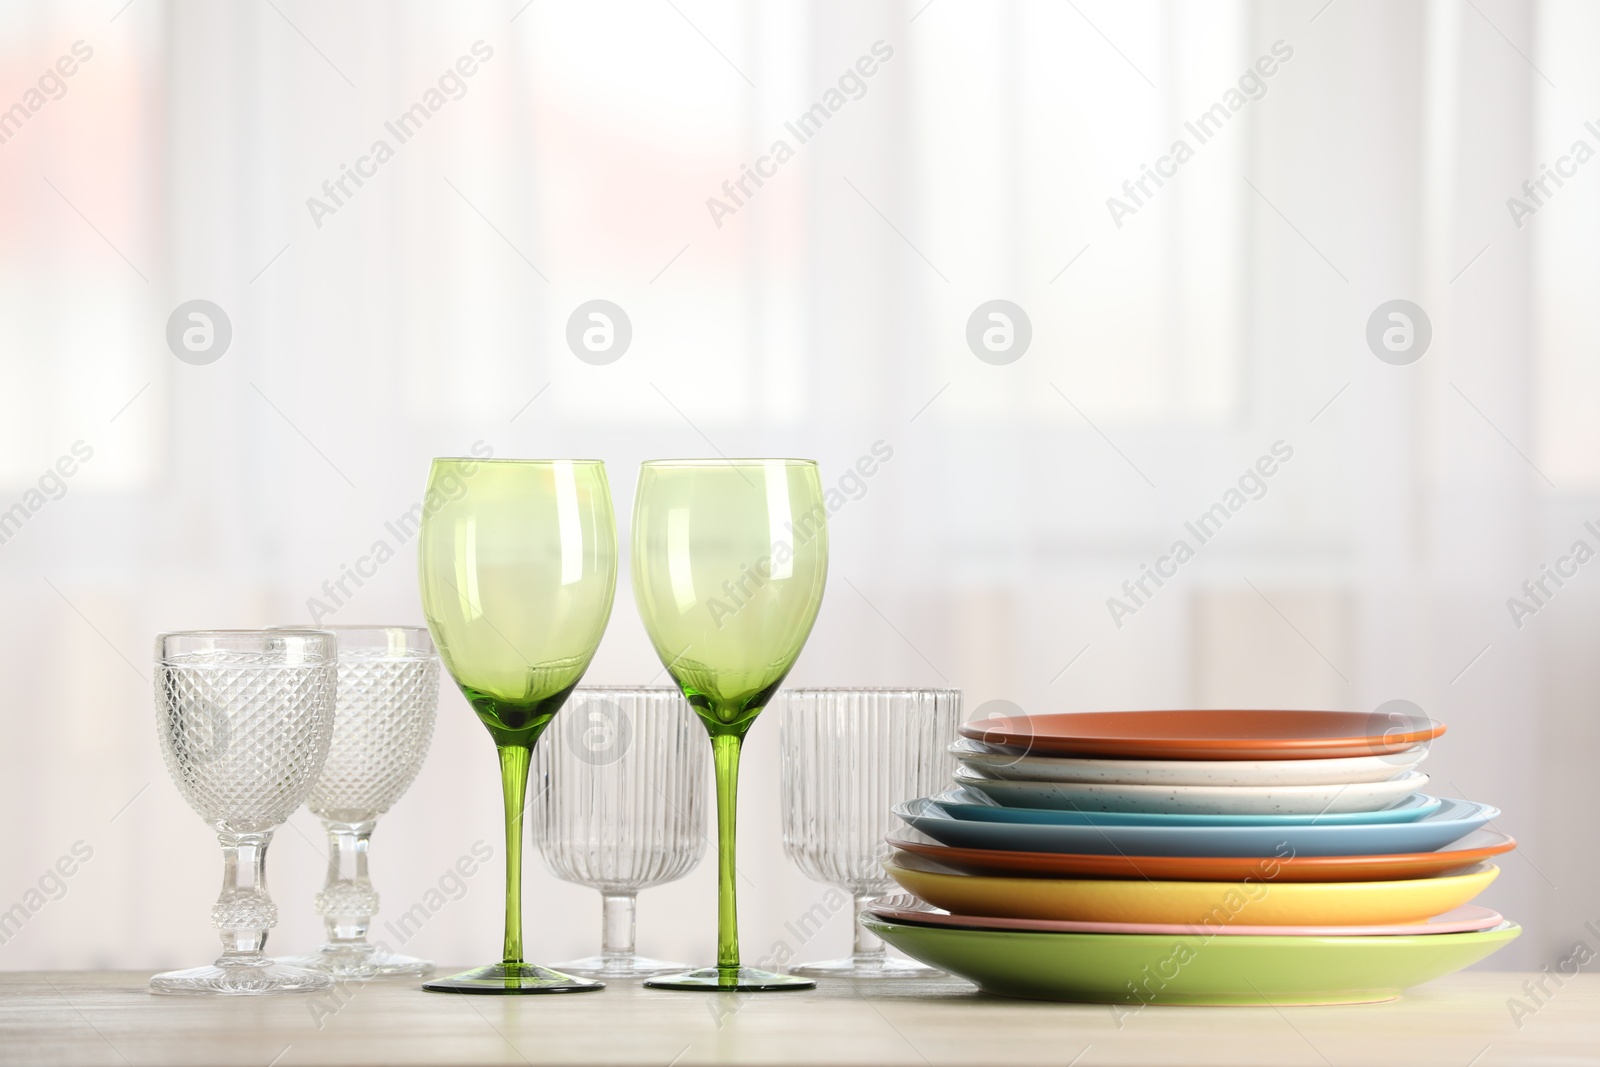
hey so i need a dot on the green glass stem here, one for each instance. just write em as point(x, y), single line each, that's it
point(514, 761)
point(725, 752)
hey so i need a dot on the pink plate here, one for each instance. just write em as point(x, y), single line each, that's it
point(905, 908)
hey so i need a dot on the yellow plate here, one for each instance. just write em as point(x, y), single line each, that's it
point(1255, 902)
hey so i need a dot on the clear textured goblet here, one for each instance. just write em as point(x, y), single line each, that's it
point(848, 757)
point(388, 694)
point(244, 718)
point(621, 807)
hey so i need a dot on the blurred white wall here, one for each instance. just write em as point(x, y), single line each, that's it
point(1171, 347)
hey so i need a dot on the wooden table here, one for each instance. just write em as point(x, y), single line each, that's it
point(109, 1018)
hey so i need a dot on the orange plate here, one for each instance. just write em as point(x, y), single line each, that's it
point(1206, 735)
point(1474, 848)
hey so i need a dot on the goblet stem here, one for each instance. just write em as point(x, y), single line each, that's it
point(244, 912)
point(725, 753)
point(347, 901)
point(514, 761)
point(617, 925)
point(868, 948)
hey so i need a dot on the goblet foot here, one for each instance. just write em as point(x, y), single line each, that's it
point(868, 967)
point(730, 980)
point(513, 979)
point(360, 961)
point(240, 976)
point(619, 967)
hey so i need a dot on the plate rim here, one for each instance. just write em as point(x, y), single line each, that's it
point(1034, 966)
point(1372, 859)
point(1417, 778)
point(1055, 742)
point(1264, 940)
point(947, 800)
point(1322, 839)
point(999, 753)
point(1138, 770)
point(876, 907)
point(1465, 810)
point(1297, 888)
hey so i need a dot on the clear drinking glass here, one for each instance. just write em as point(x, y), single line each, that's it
point(621, 807)
point(730, 560)
point(244, 719)
point(388, 694)
point(517, 559)
point(849, 756)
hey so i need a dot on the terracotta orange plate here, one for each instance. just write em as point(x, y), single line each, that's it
point(1476, 847)
point(1206, 734)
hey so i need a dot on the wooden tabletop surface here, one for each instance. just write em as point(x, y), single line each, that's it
point(108, 1018)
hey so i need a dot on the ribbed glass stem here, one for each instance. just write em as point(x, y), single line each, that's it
point(868, 946)
point(617, 925)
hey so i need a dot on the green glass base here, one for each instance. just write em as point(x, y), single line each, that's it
point(512, 979)
point(730, 980)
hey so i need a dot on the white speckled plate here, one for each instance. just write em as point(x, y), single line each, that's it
point(1206, 799)
point(995, 763)
point(968, 804)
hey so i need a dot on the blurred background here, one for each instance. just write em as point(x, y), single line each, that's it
point(1159, 338)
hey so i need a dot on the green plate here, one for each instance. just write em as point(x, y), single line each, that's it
point(1138, 969)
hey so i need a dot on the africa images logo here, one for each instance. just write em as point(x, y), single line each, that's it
point(1251, 86)
point(1252, 485)
point(452, 85)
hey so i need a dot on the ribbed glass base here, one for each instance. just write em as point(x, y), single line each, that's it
point(619, 967)
point(870, 968)
point(730, 980)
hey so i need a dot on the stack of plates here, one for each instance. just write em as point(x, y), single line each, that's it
point(1194, 857)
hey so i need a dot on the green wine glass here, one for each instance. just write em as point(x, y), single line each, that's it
point(730, 558)
point(518, 565)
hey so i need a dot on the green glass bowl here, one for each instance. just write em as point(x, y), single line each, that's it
point(1138, 969)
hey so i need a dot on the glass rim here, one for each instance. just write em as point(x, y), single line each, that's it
point(305, 631)
point(874, 690)
point(356, 638)
point(741, 461)
point(343, 626)
point(324, 644)
point(515, 460)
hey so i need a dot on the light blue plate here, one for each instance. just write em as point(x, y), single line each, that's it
point(974, 806)
point(1453, 819)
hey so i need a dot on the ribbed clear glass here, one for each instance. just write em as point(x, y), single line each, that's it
point(244, 719)
point(620, 806)
point(849, 756)
point(388, 694)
